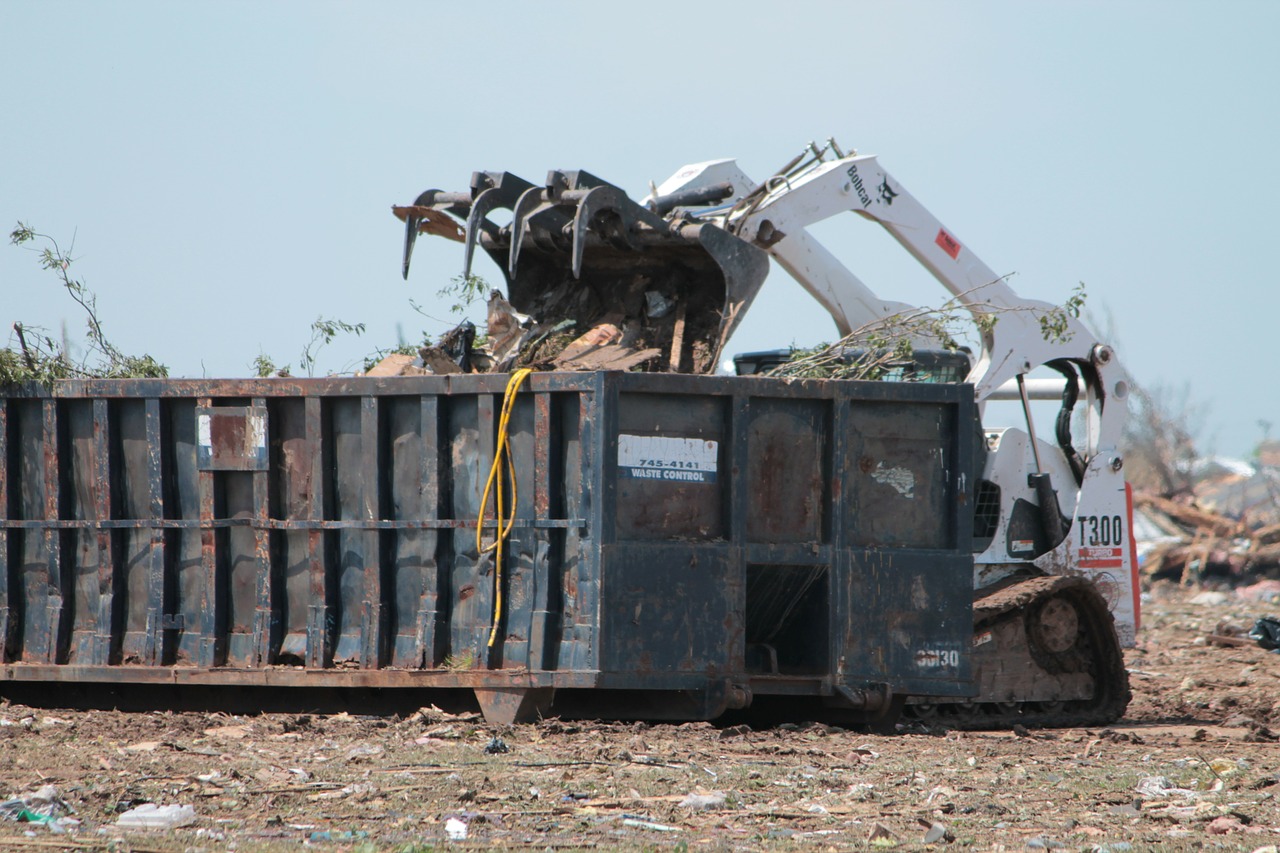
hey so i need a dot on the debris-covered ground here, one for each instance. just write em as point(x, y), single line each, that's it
point(1196, 763)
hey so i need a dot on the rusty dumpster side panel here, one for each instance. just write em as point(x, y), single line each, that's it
point(721, 535)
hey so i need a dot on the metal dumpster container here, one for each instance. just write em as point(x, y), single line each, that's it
point(682, 545)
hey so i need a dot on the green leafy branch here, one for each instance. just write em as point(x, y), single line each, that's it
point(40, 358)
point(885, 348)
point(466, 289)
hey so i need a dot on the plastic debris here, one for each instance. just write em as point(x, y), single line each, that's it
point(700, 800)
point(881, 833)
point(152, 816)
point(1160, 786)
point(344, 835)
point(362, 751)
point(1267, 632)
point(1224, 825)
point(648, 824)
point(455, 829)
point(44, 805)
point(936, 833)
point(497, 746)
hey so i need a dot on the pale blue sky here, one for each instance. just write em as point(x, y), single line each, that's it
point(228, 168)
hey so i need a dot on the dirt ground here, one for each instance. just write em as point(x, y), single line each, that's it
point(1193, 765)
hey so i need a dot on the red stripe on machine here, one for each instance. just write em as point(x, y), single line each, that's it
point(949, 244)
point(1101, 564)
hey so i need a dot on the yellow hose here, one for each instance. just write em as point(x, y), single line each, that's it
point(501, 452)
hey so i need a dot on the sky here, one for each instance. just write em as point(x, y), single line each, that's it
point(226, 170)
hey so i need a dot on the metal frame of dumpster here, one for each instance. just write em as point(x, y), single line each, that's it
point(682, 544)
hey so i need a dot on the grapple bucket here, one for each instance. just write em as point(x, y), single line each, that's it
point(651, 292)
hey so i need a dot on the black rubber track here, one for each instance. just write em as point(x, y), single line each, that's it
point(1097, 644)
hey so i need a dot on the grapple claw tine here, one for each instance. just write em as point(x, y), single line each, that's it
point(528, 202)
point(484, 202)
point(596, 201)
point(410, 237)
point(412, 223)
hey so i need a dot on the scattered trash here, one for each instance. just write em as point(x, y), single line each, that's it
point(703, 800)
point(1224, 767)
point(1161, 786)
point(1042, 843)
point(1224, 825)
point(497, 746)
point(455, 829)
point(1266, 631)
point(637, 823)
point(1210, 598)
point(344, 835)
point(44, 805)
point(228, 732)
point(358, 788)
point(881, 833)
point(1262, 592)
point(152, 816)
point(363, 751)
point(935, 832)
point(145, 746)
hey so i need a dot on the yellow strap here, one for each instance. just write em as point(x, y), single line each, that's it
point(495, 484)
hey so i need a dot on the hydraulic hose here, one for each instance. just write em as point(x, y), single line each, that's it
point(496, 485)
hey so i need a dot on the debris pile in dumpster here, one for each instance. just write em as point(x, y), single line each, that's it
point(594, 280)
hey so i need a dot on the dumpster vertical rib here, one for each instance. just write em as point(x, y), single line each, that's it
point(738, 485)
point(838, 468)
point(318, 611)
point(6, 624)
point(597, 420)
point(211, 621)
point(52, 535)
point(262, 621)
point(738, 456)
point(539, 604)
point(429, 509)
point(101, 486)
point(964, 413)
point(370, 508)
point(484, 574)
point(839, 598)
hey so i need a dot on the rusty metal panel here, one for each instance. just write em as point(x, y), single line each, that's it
point(788, 470)
point(671, 611)
point(904, 618)
point(900, 485)
point(669, 467)
point(232, 438)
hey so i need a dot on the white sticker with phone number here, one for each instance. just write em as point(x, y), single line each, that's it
point(659, 457)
